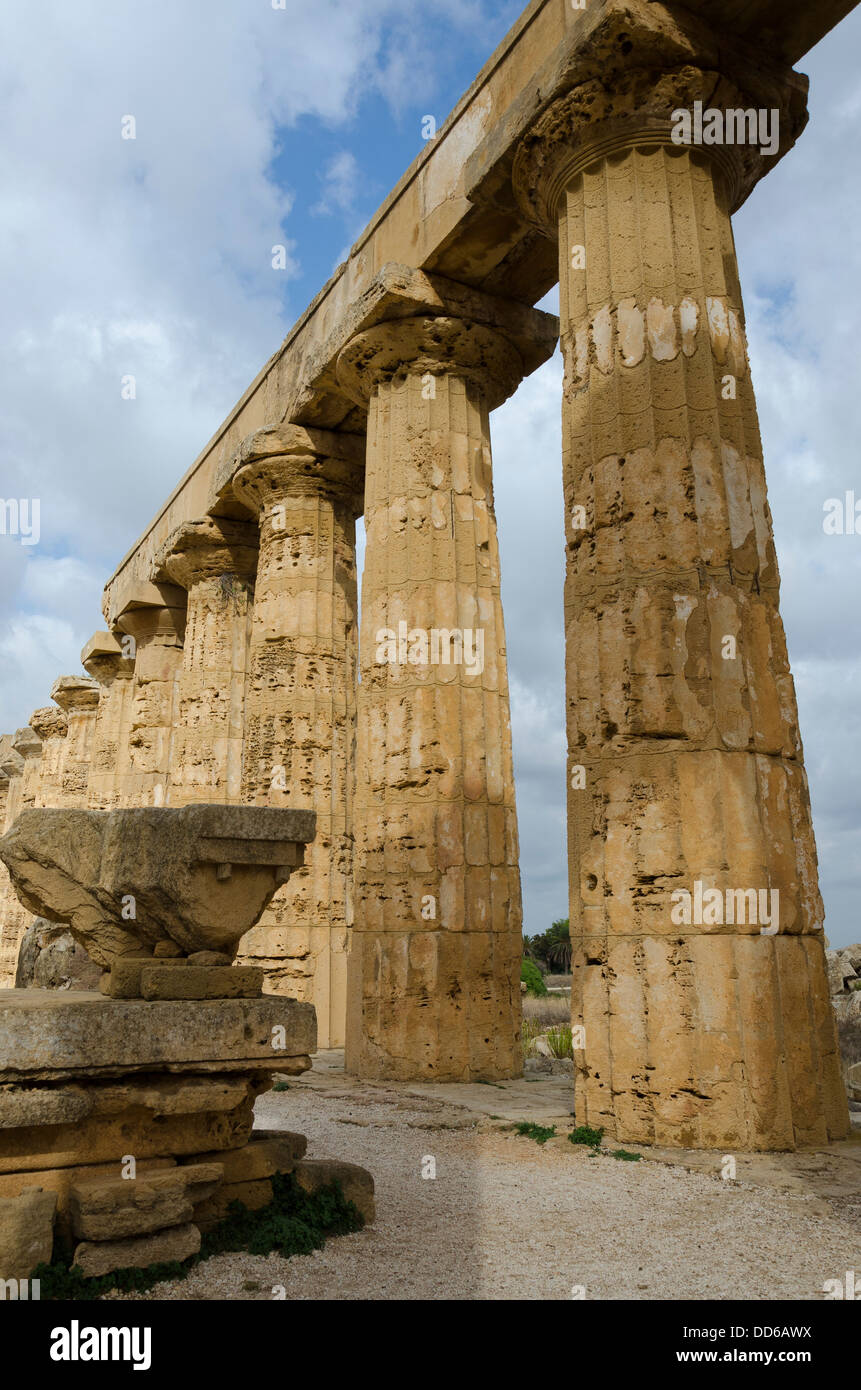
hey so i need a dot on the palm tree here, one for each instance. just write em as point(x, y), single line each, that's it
point(559, 948)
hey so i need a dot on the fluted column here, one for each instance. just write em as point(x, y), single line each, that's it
point(103, 659)
point(78, 698)
point(215, 561)
point(434, 967)
point(154, 617)
point(52, 727)
point(305, 486)
point(705, 1020)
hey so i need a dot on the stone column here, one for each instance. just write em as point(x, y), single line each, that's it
point(434, 987)
point(154, 615)
point(305, 486)
point(215, 560)
point(22, 764)
point(103, 659)
point(52, 727)
point(78, 698)
point(704, 1006)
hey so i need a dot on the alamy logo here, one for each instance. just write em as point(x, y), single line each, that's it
point(441, 646)
point(21, 518)
point(715, 127)
point(709, 907)
point(76, 1343)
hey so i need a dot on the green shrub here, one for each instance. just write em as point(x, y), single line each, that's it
point(537, 1132)
point(532, 977)
point(584, 1135)
point(295, 1223)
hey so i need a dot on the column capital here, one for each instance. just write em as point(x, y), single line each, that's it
point(104, 660)
point(27, 743)
point(154, 610)
point(207, 549)
point(49, 722)
point(75, 694)
point(644, 105)
point(438, 345)
point(282, 461)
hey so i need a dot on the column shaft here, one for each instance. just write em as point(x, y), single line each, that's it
point(301, 702)
point(434, 967)
point(686, 774)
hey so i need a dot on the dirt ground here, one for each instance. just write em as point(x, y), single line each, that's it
point(505, 1218)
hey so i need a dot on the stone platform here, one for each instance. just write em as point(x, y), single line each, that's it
point(126, 1124)
point(47, 1036)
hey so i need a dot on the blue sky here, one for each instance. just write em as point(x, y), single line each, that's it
point(153, 257)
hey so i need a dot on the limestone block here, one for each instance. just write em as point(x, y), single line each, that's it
point(202, 982)
point(116, 1208)
point(51, 1036)
point(267, 1152)
point(60, 1181)
point(100, 1138)
point(26, 1232)
point(173, 1245)
point(357, 1184)
point(123, 980)
point(24, 1107)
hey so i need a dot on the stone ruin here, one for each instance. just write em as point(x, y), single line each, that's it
point(229, 668)
point(126, 1115)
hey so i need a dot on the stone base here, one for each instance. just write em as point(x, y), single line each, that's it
point(46, 1036)
point(125, 1124)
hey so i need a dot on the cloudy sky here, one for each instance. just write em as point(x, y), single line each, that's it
point(152, 257)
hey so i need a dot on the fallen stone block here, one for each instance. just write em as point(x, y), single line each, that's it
point(123, 980)
point(117, 1208)
point(177, 1243)
point(26, 1232)
point(202, 982)
point(357, 1184)
point(260, 1158)
point(61, 1181)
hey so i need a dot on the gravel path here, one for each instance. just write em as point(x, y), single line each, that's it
point(507, 1219)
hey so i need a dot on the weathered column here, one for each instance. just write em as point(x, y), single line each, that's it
point(78, 698)
point(21, 764)
point(154, 615)
point(215, 560)
point(52, 727)
point(103, 659)
point(306, 488)
point(434, 987)
point(699, 969)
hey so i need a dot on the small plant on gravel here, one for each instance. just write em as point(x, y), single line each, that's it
point(583, 1134)
point(559, 1040)
point(281, 1086)
point(537, 1132)
point(623, 1153)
